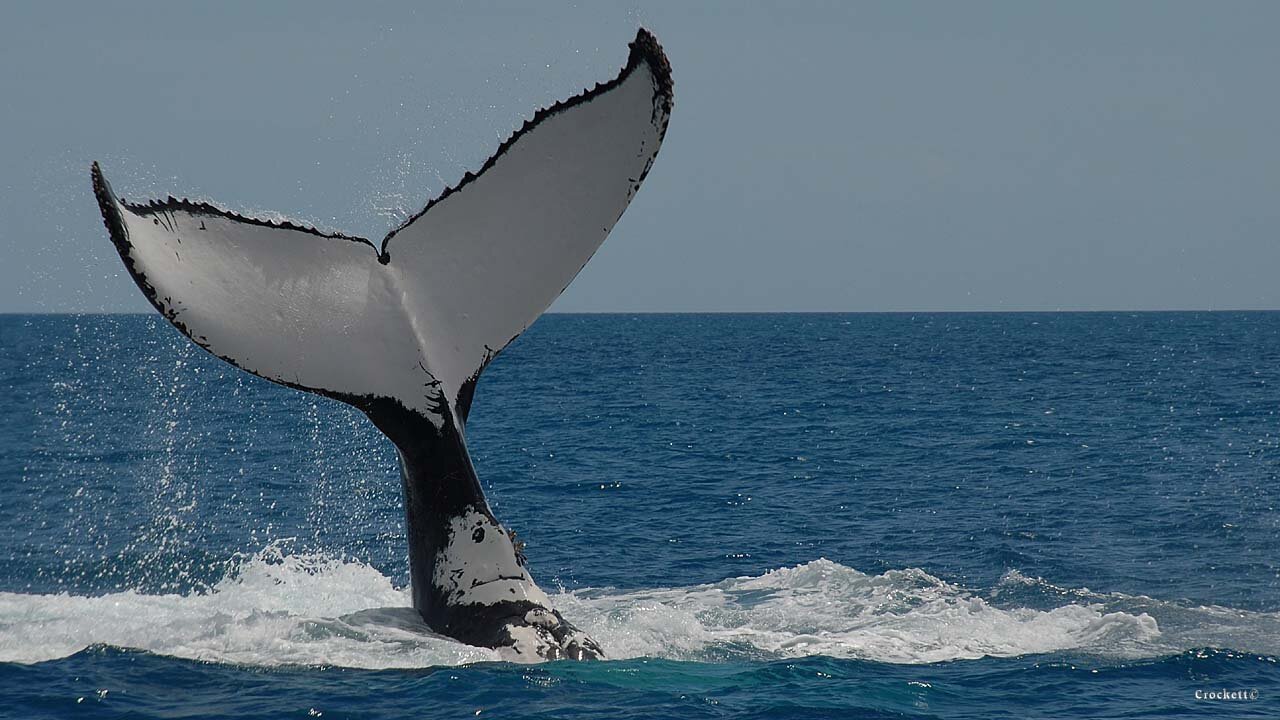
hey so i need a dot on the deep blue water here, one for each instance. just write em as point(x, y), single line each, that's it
point(946, 515)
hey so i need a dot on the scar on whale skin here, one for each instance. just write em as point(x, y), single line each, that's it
point(341, 317)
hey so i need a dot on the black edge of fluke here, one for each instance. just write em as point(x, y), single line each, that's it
point(152, 207)
point(645, 50)
point(110, 210)
point(109, 205)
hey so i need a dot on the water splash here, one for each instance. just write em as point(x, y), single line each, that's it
point(280, 608)
point(824, 608)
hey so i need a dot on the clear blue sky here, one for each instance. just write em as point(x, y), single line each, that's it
point(833, 156)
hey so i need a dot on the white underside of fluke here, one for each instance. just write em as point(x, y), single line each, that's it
point(416, 319)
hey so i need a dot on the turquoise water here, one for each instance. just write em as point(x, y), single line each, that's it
point(949, 515)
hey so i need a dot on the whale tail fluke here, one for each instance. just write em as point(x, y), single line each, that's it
point(403, 329)
point(416, 318)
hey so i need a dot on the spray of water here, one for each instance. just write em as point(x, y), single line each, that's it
point(277, 607)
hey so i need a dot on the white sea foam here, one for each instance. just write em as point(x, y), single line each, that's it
point(282, 609)
point(824, 608)
point(275, 609)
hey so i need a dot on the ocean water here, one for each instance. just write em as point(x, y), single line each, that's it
point(773, 516)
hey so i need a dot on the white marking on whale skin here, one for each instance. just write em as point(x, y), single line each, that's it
point(528, 644)
point(478, 565)
point(534, 639)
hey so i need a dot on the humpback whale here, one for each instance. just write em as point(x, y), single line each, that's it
point(403, 330)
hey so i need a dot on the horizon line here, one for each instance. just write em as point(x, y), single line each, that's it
point(1058, 311)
